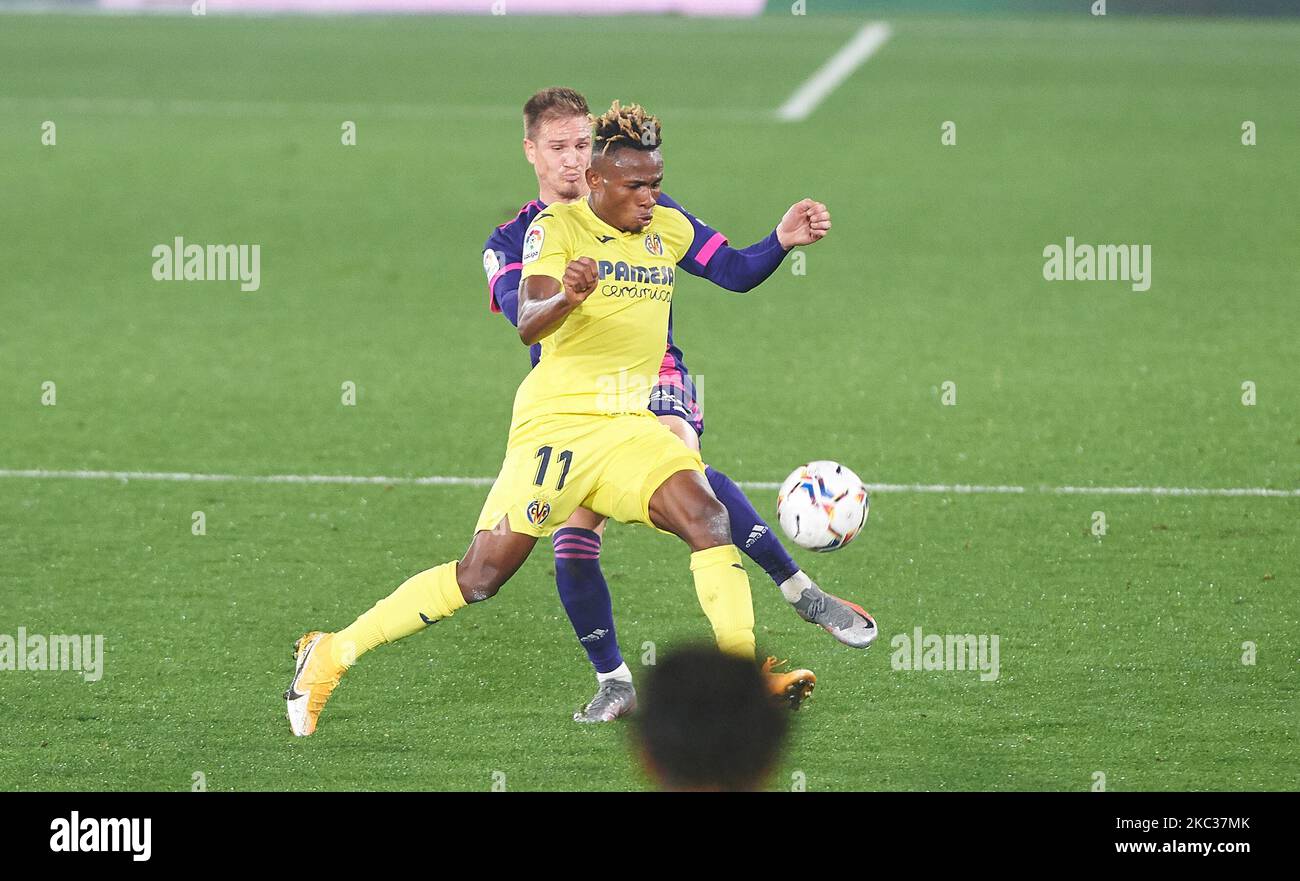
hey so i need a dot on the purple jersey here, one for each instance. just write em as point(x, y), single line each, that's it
point(709, 257)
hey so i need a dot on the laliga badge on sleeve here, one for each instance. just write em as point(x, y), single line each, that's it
point(533, 243)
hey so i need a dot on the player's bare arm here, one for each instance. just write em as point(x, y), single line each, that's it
point(806, 222)
point(545, 302)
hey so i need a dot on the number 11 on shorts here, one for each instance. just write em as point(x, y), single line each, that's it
point(545, 455)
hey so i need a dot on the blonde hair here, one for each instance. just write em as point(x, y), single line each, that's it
point(630, 126)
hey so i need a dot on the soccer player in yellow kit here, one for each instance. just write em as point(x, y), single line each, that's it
point(597, 283)
point(557, 144)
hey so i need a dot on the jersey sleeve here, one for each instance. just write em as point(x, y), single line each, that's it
point(501, 264)
point(676, 231)
point(709, 256)
point(704, 241)
point(547, 248)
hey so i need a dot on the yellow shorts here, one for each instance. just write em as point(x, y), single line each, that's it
point(611, 464)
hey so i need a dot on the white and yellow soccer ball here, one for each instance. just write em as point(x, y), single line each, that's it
point(822, 506)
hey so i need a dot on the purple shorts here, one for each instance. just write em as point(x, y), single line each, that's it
point(675, 394)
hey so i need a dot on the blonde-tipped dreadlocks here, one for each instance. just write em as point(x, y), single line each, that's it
point(629, 126)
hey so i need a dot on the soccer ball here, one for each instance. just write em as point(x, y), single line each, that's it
point(822, 506)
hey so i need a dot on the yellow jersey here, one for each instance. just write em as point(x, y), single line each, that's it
point(605, 357)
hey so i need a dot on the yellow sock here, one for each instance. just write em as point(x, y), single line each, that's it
point(422, 599)
point(723, 589)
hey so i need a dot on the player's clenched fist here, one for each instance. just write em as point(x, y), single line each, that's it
point(580, 278)
point(805, 222)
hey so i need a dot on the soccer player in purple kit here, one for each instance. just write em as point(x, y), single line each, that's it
point(557, 143)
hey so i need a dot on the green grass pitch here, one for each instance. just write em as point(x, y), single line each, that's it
point(1119, 654)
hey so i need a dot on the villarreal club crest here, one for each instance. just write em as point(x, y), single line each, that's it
point(538, 511)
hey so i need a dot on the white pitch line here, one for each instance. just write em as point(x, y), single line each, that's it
point(442, 480)
point(835, 71)
point(192, 477)
point(238, 109)
point(242, 109)
point(1171, 491)
point(951, 488)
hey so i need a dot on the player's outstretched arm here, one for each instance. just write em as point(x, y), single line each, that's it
point(743, 269)
point(544, 302)
point(806, 222)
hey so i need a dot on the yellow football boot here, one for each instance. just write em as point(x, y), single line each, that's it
point(315, 676)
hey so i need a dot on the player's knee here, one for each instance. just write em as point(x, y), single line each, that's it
point(478, 581)
point(683, 429)
point(478, 589)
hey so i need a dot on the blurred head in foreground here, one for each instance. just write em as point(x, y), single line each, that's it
point(707, 722)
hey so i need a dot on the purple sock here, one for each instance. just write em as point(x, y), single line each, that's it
point(586, 596)
point(749, 532)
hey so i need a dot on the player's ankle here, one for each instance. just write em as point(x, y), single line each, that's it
point(792, 588)
point(621, 672)
point(341, 652)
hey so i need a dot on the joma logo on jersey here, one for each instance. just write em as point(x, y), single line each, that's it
point(621, 271)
